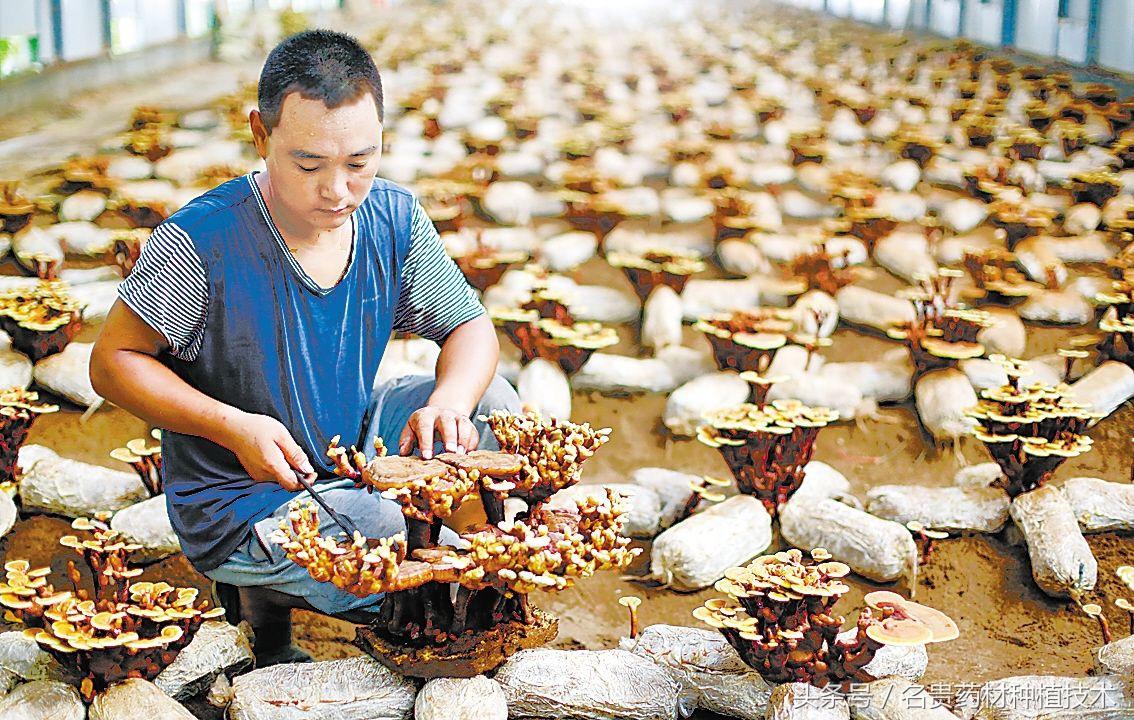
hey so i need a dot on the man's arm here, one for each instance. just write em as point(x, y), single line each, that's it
point(436, 302)
point(125, 370)
point(465, 368)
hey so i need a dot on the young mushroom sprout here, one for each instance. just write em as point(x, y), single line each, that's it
point(1029, 430)
point(780, 617)
point(766, 447)
point(145, 459)
point(124, 629)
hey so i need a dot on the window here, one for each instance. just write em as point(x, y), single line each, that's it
point(1064, 9)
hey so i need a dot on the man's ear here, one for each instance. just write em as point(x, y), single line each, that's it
point(259, 133)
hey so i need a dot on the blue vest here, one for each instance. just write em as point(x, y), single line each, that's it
point(277, 344)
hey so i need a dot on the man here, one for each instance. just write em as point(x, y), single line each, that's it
point(252, 326)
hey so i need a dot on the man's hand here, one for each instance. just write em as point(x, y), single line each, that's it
point(267, 451)
point(453, 428)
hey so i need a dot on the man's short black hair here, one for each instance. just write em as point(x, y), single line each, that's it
point(319, 65)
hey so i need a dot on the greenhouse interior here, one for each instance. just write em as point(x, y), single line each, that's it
point(575, 360)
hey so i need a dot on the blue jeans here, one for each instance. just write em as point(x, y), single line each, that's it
point(260, 562)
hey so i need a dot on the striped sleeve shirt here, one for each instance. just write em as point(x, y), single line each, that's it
point(167, 288)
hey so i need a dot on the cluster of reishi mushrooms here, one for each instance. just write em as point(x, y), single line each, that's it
point(544, 328)
point(124, 629)
point(648, 268)
point(1029, 430)
point(942, 333)
point(41, 320)
point(779, 616)
point(766, 446)
point(18, 410)
point(496, 565)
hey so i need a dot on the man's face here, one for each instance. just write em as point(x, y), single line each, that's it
point(321, 161)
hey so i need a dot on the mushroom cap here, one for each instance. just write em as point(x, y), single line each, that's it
point(1125, 604)
point(1092, 609)
point(940, 626)
point(630, 601)
point(899, 632)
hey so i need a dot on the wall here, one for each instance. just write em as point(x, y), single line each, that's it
point(1116, 35)
point(1039, 30)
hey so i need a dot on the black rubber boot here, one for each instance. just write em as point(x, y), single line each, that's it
point(270, 621)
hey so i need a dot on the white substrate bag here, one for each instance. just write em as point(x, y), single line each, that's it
point(1105, 388)
point(74, 489)
point(83, 276)
point(706, 297)
point(1116, 658)
point(1061, 559)
point(942, 397)
point(67, 374)
point(711, 674)
point(96, 298)
point(1006, 335)
point(509, 202)
point(1057, 307)
point(83, 206)
point(354, 688)
point(950, 509)
point(598, 303)
point(135, 699)
point(905, 254)
point(881, 550)
point(697, 551)
point(674, 491)
point(885, 380)
point(15, 367)
point(819, 390)
point(623, 375)
point(1048, 697)
point(898, 699)
point(963, 214)
point(1101, 506)
point(800, 701)
point(687, 405)
point(903, 661)
point(983, 373)
point(543, 386)
point(218, 649)
point(83, 238)
point(23, 659)
point(643, 505)
point(594, 684)
point(8, 513)
point(475, 698)
point(951, 250)
point(860, 306)
point(147, 524)
point(741, 257)
point(567, 251)
point(804, 310)
point(662, 318)
point(43, 700)
point(902, 175)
